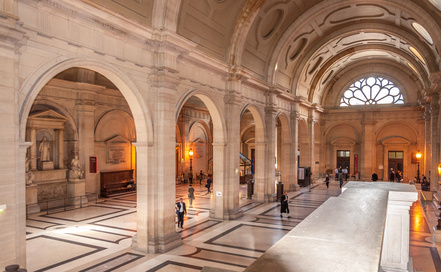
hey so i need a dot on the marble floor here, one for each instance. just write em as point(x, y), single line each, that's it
point(98, 237)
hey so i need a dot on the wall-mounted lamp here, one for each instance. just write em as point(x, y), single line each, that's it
point(2, 208)
point(439, 169)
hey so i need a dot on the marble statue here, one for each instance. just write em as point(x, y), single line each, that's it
point(45, 148)
point(76, 172)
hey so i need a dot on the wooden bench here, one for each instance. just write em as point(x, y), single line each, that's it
point(115, 182)
point(115, 188)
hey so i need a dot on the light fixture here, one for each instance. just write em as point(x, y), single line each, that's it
point(190, 152)
point(418, 156)
point(2, 208)
point(439, 169)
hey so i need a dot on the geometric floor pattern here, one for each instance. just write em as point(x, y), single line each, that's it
point(98, 237)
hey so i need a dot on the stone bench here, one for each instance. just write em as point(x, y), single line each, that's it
point(366, 228)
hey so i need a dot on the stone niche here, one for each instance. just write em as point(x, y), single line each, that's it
point(117, 150)
point(46, 132)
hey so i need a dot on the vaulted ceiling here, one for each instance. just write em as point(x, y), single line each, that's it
point(307, 46)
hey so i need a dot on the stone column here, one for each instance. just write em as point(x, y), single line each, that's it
point(12, 170)
point(270, 154)
point(311, 137)
point(435, 145)
point(155, 204)
point(368, 158)
point(86, 139)
point(427, 137)
point(61, 149)
point(295, 116)
point(34, 149)
point(156, 230)
point(226, 165)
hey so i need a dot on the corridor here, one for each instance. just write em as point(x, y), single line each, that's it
point(98, 237)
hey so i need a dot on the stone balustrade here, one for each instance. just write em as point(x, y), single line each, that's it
point(366, 228)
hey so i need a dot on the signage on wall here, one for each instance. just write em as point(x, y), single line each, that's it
point(92, 164)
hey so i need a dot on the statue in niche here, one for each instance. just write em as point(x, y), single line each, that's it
point(29, 174)
point(75, 169)
point(45, 150)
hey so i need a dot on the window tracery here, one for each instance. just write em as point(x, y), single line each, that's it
point(371, 91)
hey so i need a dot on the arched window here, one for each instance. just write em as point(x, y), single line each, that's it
point(372, 90)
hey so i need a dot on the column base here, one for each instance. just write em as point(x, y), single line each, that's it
point(159, 245)
point(227, 215)
point(76, 191)
point(437, 236)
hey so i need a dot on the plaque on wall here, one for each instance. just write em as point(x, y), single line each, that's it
point(117, 149)
point(115, 154)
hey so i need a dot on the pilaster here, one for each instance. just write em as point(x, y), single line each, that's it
point(427, 137)
point(311, 135)
point(435, 142)
point(12, 177)
point(86, 139)
point(226, 162)
point(293, 158)
point(368, 158)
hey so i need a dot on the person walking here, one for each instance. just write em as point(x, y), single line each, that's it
point(284, 205)
point(208, 185)
point(201, 177)
point(190, 177)
point(191, 195)
point(180, 211)
point(327, 181)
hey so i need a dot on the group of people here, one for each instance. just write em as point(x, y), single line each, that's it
point(180, 207)
point(190, 177)
point(396, 176)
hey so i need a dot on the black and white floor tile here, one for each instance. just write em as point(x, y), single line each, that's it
point(98, 237)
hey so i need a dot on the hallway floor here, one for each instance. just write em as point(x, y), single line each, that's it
point(98, 237)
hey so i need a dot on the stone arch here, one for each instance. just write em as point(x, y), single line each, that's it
point(397, 136)
point(219, 132)
point(36, 81)
point(39, 78)
point(260, 151)
point(110, 116)
point(342, 136)
point(350, 74)
point(399, 130)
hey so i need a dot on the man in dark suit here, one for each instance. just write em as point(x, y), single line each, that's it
point(180, 211)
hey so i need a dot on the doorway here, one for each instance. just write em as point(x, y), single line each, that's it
point(344, 159)
point(395, 162)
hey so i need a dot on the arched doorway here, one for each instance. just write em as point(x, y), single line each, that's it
point(36, 84)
